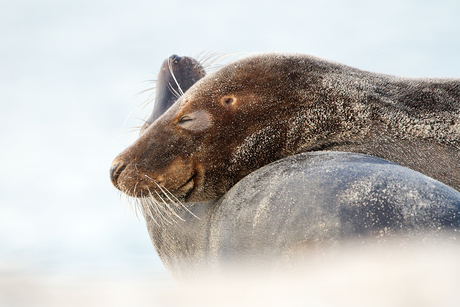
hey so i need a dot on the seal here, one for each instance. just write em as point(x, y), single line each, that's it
point(266, 107)
point(285, 212)
point(177, 74)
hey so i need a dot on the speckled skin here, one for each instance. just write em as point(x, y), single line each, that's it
point(301, 204)
point(269, 106)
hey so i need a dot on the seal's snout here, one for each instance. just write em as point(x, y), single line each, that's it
point(175, 58)
point(115, 169)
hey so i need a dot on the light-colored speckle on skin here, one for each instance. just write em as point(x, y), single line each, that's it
point(261, 213)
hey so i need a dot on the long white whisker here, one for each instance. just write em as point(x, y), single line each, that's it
point(148, 206)
point(176, 200)
point(173, 91)
point(163, 202)
point(174, 77)
point(169, 198)
point(144, 91)
point(160, 208)
point(135, 206)
point(142, 202)
point(204, 57)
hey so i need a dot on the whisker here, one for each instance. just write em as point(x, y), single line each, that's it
point(131, 129)
point(164, 190)
point(197, 56)
point(173, 91)
point(139, 205)
point(206, 59)
point(135, 205)
point(169, 198)
point(142, 106)
point(209, 57)
point(147, 207)
point(145, 103)
point(176, 201)
point(160, 208)
point(144, 91)
point(152, 88)
point(203, 57)
point(124, 199)
point(171, 213)
point(174, 77)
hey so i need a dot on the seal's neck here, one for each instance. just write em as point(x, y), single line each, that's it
point(427, 141)
point(182, 244)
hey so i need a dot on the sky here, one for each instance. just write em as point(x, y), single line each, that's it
point(70, 72)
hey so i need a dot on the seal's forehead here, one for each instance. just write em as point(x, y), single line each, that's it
point(224, 79)
point(182, 102)
point(206, 87)
point(186, 101)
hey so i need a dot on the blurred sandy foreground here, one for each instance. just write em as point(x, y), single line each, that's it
point(391, 274)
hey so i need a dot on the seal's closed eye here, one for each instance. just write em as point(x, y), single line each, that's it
point(184, 119)
point(198, 120)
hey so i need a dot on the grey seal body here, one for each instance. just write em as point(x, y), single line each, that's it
point(305, 202)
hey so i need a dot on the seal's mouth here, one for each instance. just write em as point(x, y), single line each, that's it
point(187, 188)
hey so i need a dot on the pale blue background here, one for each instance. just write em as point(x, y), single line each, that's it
point(69, 73)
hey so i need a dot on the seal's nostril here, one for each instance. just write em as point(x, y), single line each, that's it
point(175, 58)
point(115, 171)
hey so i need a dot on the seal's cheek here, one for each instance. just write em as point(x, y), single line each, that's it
point(177, 176)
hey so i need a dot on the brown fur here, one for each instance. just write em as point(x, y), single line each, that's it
point(265, 107)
